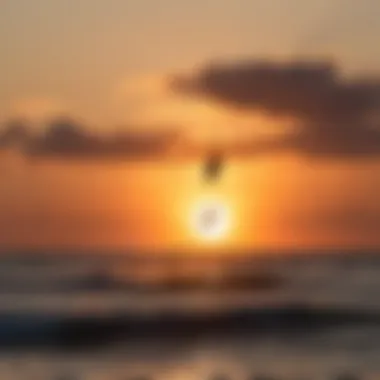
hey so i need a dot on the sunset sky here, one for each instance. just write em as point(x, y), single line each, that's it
point(289, 89)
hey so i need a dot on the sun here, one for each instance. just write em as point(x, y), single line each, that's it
point(211, 220)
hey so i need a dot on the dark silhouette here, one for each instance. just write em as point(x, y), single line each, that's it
point(213, 167)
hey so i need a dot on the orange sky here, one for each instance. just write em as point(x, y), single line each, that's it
point(273, 204)
point(109, 66)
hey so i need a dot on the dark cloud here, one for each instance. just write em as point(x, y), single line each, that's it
point(334, 115)
point(67, 139)
point(14, 132)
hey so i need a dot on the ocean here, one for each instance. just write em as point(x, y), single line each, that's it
point(110, 316)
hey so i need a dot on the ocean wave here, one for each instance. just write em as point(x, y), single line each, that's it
point(104, 282)
point(73, 332)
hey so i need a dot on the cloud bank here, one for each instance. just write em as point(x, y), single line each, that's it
point(67, 139)
point(334, 115)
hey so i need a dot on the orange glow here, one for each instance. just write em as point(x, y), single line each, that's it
point(152, 205)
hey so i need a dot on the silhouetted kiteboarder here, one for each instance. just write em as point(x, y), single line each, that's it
point(213, 168)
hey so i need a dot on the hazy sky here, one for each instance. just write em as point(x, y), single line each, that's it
point(74, 55)
point(105, 62)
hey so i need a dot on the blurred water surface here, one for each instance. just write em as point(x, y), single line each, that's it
point(70, 285)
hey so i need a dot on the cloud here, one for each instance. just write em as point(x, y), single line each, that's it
point(13, 133)
point(67, 139)
point(331, 116)
point(334, 115)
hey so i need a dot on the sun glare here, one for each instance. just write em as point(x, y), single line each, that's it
point(211, 220)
